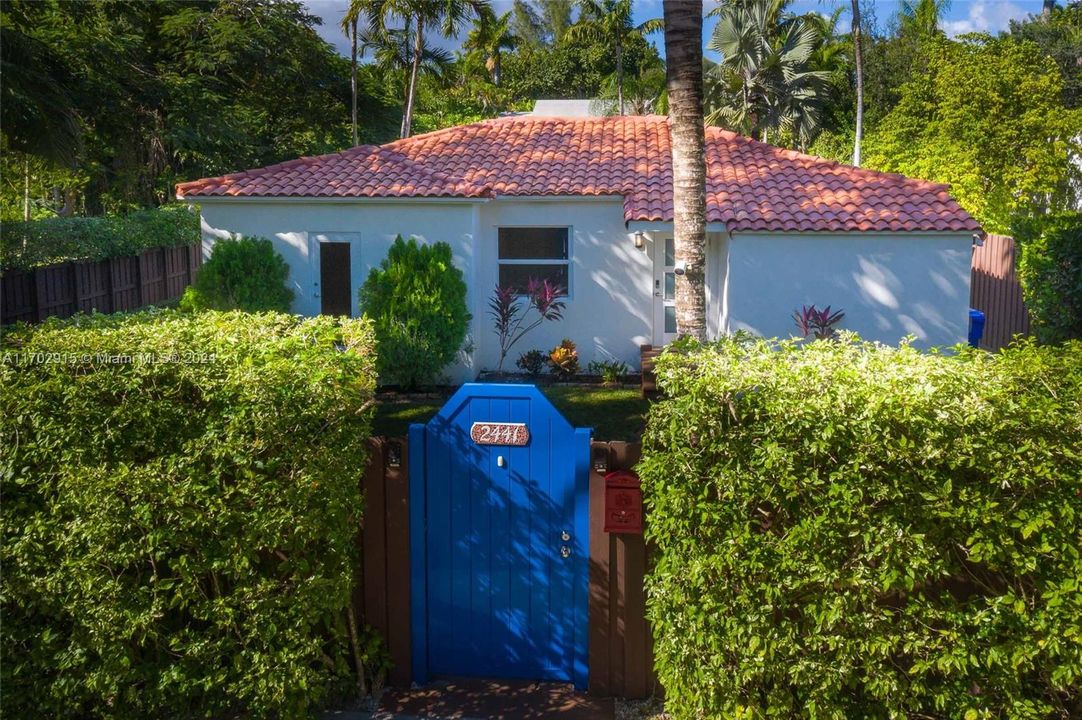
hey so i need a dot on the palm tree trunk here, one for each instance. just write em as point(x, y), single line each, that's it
point(415, 68)
point(684, 74)
point(26, 188)
point(620, 74)
point(858, 56)
point(496, 68)
point(353, 80)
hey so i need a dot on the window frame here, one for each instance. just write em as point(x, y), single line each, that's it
point(569, 295)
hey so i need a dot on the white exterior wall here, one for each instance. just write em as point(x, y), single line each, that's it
point(889, 285)
point(610, 310)
point(370, 226)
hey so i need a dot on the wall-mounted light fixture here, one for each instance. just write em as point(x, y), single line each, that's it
point(640, 240)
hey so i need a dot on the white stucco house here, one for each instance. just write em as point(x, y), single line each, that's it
point(587, 202)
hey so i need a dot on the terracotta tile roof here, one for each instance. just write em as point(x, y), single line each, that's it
point(750, 185)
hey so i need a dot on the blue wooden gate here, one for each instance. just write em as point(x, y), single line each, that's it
point(498, 538)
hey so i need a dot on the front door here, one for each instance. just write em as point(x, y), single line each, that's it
point(499, 499)
point(336, 296)
point(664, 289)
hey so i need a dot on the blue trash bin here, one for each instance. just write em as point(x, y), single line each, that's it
point(976, 327)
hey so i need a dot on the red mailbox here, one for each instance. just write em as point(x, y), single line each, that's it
point(623, 502)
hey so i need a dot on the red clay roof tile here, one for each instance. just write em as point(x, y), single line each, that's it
point(750, 185)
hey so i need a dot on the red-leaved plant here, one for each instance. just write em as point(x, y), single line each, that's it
point(810, 320)
point(510, 315)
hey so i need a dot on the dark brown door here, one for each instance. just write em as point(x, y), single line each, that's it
point(335, 287)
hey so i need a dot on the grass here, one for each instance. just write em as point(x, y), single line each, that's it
point(615, 413)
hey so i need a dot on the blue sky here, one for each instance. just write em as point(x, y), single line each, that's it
point(962, 15)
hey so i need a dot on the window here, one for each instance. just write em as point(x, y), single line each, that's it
point(540, 253)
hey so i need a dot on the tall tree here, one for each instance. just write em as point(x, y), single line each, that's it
point(609, 21)
point(489, 38)
point(858, 64)
point(684, 71)
point(766, 81)
point(988, 119)
point(556, 16)
point(444, 16)
point(350, 21)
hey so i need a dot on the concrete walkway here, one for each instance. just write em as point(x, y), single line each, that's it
point(484, 700)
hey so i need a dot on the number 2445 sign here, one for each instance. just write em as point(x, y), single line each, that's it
point(499, 433)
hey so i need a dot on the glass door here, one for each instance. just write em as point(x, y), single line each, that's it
point(664, 290)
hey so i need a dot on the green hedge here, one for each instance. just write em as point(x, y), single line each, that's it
point(852, 530)
point(26, 245)
point(181, 502)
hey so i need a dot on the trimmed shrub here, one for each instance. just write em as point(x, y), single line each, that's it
point(26, 245)
point(243, 273)
point(1050, 270)
point(417, 300)
point(845, 530)
point(181, 505)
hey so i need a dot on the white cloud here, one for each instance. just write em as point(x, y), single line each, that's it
point(990, 16)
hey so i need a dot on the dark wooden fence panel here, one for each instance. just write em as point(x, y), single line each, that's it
point(114, 285)
point(55, 291)
point(621, 646)
point(125, 279)
point(152, 276)
point(92, 287)
point(621, 654)
point(385, 554)
point(995, 291)
point(19, 297)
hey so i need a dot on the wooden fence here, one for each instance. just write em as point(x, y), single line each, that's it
point(620, 649)
point(995, 291)
point(123, 283)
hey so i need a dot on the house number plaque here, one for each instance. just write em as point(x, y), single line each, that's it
point(499, 433)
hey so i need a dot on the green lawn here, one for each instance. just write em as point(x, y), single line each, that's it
point(616, 413)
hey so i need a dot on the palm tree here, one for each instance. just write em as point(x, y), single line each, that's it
point(356, 9)
point(684, 70)
point(490, 36)
point(444, 16)
point(392, 50)
point(766, 81)
point(609, 22)
point(858, 59)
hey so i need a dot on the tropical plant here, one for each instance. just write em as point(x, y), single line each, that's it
point(417, 300)
point(510, 315)
point(243, 273)
point(812, 321)
point(609, 22)
point(684, 68)
point(489, 37)
point(610, 371)
point(765, 81)
point(564, 360)
point(532, 362)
